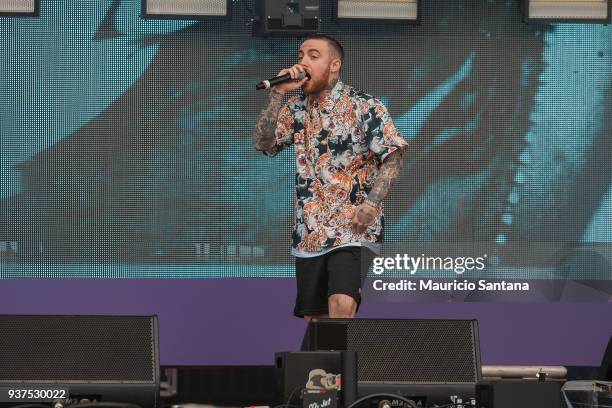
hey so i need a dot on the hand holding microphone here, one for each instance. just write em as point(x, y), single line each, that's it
point(287, 79)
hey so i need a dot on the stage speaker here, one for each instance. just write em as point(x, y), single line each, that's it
point(94, 358)
point(426, 360)
point(605, 371)
point(518, 393)
point(285, 18)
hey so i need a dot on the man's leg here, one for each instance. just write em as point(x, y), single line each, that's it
point(342, 306)
point(345, 281)
point(311, 279)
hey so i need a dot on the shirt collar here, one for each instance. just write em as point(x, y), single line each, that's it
point(332, 98)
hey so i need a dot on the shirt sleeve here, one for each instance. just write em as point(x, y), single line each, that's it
point(381, 135)
point(283, 134)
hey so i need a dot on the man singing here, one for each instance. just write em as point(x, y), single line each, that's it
point(348, 154)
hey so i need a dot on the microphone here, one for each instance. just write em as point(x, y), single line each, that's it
point(279, 79)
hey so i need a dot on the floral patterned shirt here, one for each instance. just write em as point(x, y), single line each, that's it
point(339, 146)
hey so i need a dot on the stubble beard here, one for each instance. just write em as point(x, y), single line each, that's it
point(315, 88)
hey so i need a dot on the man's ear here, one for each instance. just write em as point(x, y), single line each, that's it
point(335, 65)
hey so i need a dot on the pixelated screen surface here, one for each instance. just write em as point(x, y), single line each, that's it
point(126, 142)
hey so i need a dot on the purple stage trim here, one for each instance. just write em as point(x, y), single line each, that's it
point(245, 321)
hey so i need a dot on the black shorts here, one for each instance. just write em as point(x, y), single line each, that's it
point(340, 271)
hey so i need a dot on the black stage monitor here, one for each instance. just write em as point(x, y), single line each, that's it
point(605, 371)
point(74, 358)
point(425, 360)
point(518, 393)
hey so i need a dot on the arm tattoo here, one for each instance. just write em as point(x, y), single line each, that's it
point(389, 171)
point(264, 138)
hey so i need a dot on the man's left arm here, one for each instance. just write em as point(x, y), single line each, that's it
point(389, 145)
point(389, 171)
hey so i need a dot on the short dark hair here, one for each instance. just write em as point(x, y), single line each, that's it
point(335, 44)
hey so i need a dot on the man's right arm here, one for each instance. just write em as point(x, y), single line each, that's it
point(264, 135)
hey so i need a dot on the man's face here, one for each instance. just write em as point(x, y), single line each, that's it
point(317, 58)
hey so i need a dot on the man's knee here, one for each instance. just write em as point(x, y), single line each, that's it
point(342, 306)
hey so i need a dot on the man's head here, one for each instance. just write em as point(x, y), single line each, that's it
point(322, 57)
